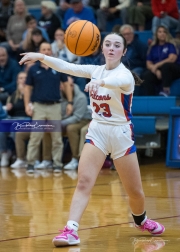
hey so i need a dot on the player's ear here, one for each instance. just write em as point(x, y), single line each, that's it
point(124, 53)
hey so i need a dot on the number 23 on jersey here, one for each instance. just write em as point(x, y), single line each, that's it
point(105, 107)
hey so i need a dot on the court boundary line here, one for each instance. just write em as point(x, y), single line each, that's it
point(104, 226)
point(71, 187)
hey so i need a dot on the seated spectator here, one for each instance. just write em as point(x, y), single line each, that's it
point(15, 28)
point(139, 13)
point(15, 102)
point(64, 5)
point(33, 41)
point(49, 21)
point(110, 10)
point(59, 48)
point(78, 12)
point(170, 71)
point(95, 4)
point(135, 57)
point(160, 52)
point(72, 124)
point(15, 108)
point(32, 24)
point(165, 13)
point(6, 10)
point(8, 73)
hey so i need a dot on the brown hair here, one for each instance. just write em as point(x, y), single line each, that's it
point(137, 79)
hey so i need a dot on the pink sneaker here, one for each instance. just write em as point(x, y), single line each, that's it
point(152, 227)
point(66, 237)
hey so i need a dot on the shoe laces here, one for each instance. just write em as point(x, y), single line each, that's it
point(65, 231)
point(150, 225)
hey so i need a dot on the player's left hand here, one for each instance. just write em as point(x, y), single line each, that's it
point(93, 86)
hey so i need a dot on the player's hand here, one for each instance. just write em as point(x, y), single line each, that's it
point(69, 109)
point(93, 86)
point(30, 57)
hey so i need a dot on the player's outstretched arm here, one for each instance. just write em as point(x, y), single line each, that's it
point(30, 57)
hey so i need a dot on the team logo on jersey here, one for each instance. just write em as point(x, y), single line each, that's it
point(101, 97)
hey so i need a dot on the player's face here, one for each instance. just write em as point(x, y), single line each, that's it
point(113, 47)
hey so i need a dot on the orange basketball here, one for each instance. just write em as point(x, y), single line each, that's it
point(82, 38)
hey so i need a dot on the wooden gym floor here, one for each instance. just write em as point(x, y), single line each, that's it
point(33, 208)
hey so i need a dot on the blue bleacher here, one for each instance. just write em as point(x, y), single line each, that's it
point(175, 88)
point(150, 118)
point(36, 12)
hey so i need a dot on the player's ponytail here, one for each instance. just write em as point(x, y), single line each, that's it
point(137, 79)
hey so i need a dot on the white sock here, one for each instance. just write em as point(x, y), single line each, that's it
point(73, 225)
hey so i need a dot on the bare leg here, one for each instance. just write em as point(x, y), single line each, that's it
point(90, 164)
point(129, 173)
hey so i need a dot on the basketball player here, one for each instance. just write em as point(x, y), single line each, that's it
point(111, 131)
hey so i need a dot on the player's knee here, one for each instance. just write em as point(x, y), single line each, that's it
point(137, 194)
point(84, 183)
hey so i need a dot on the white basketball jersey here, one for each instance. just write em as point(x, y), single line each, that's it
point(112, 104)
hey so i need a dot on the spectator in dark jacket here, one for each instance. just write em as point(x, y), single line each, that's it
point(49, 21)
point(135, 57)
point(110, 10)
point(8, 73)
